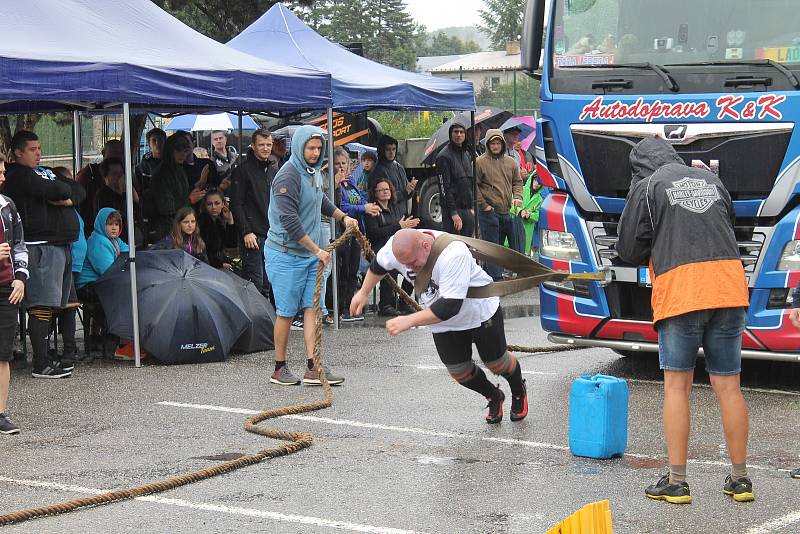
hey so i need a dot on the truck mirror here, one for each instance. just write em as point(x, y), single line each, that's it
point(532, 32)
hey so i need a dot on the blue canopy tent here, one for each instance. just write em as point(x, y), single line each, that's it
point(357, 83)
point(95, 53)
point(106, 54)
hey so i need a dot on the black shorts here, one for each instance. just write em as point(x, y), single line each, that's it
point(9, 316)
point(455, 346)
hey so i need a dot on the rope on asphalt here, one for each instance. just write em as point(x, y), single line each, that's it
point(295, 441)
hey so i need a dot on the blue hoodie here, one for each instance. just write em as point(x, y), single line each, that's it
point(297, 198)
point(79, 247)
point(101, 250)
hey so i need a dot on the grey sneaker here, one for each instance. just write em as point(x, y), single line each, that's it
point(311, 377)
point(284, 377)
point(6, 426)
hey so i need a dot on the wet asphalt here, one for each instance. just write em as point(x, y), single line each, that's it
point(402, 449)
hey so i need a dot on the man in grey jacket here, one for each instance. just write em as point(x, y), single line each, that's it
point(291, 251)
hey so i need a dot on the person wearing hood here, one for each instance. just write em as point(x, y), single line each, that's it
point(103, 246)
point(389, 167)
point(291, 252)
point(250, 192)
point(454, 165)
point(13, 275)
point(499, 186)
point(678, 220)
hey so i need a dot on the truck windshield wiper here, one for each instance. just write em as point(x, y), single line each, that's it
point(768, 62)
point(658, 69)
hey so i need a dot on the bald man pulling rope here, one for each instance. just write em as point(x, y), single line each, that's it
point(456, 320)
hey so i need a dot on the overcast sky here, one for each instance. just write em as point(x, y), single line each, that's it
point(437, 14)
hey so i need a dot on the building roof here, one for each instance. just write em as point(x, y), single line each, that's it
point(426, 63)
point(482, 61)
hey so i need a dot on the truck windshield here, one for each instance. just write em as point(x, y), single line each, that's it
point(673, 32)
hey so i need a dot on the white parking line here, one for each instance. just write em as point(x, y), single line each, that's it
point(443, 368)
point(775, 524)
point(426, 432)
point(631, 380)
point(745, 388)
point(232, 510)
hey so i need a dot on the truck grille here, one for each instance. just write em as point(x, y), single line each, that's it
point(749, 161)
point(749, 240)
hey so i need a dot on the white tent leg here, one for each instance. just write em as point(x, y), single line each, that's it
point(77, 142)
point(126, 136)
point(332, 186)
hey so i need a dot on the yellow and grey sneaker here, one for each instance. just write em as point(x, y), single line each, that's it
point(672, 493)
point(740, 489)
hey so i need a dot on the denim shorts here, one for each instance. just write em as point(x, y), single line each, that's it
point(293, 279)
point(718, 331)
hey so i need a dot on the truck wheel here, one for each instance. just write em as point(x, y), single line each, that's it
point(430, 206)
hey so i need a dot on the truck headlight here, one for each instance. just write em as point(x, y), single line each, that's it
point(790, 257)
point(561, 245)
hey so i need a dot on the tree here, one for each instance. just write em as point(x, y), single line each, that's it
point(441, 44)
point(502, 21)
point(384, 27)
point(221, 19)
point(503, 95)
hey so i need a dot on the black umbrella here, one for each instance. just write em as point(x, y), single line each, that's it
point(488, 116)
point(189, 312)
point(259, 333)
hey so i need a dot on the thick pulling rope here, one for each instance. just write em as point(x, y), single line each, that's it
point(296, 441)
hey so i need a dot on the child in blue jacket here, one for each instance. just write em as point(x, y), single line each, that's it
point(103, 246)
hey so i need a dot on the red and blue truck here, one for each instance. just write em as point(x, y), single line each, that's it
point(720, 80)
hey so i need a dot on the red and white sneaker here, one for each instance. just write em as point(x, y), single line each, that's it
point(519, 404)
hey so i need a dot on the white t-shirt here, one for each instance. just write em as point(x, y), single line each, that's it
point(454, 273)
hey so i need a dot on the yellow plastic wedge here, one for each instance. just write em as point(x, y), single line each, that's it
point(594, 518)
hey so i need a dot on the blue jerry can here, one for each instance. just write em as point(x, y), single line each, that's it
point(598, 416)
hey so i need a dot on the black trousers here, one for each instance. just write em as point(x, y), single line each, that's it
point(467, 226)
point(455, 347)
point(253, 264)
point(348, 258)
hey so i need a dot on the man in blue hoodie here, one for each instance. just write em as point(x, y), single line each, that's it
point(291, 252)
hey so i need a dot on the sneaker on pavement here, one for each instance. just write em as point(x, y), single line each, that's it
point(327, 319)
point(66, 361)
point(388, 311)
point(284, 377)
point(347, 318)
point(495, 406)
point(297, 324)
point(795, 473)
point(6, 426)
point(406, 309)
point(51, 371)
point(311, 377)
point(125, 353)
point(519, 404)
point(672, 493)
point(740, 489)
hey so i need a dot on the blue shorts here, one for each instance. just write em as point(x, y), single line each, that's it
point(718, 331)
point(293, 279)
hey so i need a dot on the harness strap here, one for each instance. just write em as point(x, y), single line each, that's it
point(529, 272)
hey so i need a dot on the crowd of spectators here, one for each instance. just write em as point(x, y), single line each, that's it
point(253, 213)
